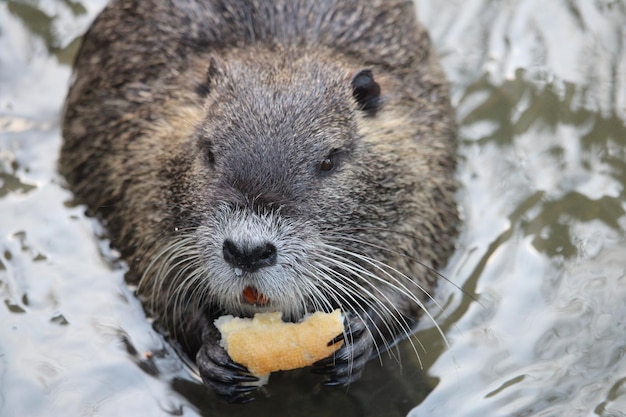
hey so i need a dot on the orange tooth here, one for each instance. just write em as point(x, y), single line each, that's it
point(253, 296)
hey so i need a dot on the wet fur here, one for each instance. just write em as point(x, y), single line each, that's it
point(189, 122)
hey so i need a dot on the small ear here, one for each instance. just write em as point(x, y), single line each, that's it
point(366, 91)
point(204, 88)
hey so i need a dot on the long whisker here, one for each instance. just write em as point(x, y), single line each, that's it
point(399, 286)
point(397, 316)
point(346, 295)
point(349, 232)
point(172, 281)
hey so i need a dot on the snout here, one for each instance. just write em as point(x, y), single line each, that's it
point(249, 257)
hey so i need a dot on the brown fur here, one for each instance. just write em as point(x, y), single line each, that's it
point(267, 86)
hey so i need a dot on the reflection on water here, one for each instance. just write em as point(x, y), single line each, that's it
point(543, 137)
point(537, 326)
point(41, 23)
point(544, 215)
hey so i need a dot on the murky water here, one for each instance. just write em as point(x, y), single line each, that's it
point(538, 326)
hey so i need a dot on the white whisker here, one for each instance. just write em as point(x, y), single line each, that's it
point(398, 317)
point(399, 286)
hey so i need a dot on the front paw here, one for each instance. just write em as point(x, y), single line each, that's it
point(229, 379)
point(348, 363)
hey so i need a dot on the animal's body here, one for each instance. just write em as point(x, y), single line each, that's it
point(249, 156)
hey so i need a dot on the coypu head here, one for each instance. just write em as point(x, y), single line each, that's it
point(304, 186)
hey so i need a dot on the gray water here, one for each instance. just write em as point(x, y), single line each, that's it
point(534, 313)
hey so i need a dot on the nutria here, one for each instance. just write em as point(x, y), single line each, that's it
point(250, 156)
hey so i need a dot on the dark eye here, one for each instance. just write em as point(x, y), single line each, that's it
point(329, 164)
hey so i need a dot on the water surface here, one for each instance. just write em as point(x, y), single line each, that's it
point(534, 316)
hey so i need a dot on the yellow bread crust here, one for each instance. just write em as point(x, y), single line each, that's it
point(266, 344)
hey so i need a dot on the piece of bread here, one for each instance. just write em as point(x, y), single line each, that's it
point(265, 343)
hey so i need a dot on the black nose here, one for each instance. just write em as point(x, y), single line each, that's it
point(249, 258)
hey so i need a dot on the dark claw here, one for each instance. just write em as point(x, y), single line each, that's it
point(243, 389)
point(235, 366)
point(337, 339)
point(244, 378)
point(331, 383)
point(324, 362)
